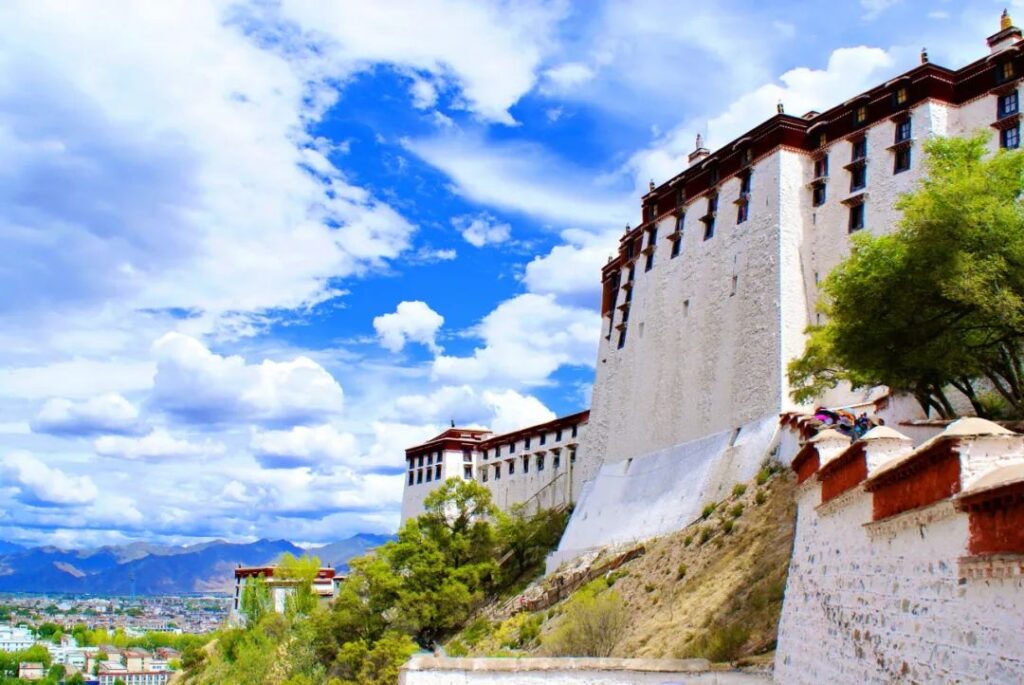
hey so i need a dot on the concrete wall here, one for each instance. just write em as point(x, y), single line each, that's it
point(447, 671)
point(640, 498)
point(893, 600)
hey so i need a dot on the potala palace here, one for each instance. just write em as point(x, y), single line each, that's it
point(908, 564)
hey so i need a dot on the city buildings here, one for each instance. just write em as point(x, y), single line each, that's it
point(15, 638)
point(536, 466)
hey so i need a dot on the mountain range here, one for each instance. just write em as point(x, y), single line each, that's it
point(150, 569)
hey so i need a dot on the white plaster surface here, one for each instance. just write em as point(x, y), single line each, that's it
point(641, 498)
point(885, 602)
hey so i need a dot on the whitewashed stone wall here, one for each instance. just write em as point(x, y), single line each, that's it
point(885, 602)
point(535, 671)
point(641, 498)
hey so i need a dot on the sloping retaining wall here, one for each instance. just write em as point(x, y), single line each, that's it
point(566, 671)
point(644, 497)
point(902, 571)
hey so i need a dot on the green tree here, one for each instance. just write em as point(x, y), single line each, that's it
point(939, 303)
point(256, 601)
point(301, 572)
point(75, 679)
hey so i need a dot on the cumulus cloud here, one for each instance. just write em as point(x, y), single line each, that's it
point(568, 75)
point(499, 410)
point(42, 485)
point(197, 385)
point(526, 339)
point(158, 444)
point(482, 229)
point(314, 446)
point(572, 270)
point(411, 321)
point(107, 413)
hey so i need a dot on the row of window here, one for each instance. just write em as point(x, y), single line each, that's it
point(542, 439)
point(429, 460)
point(510, 465)
point(425, 475)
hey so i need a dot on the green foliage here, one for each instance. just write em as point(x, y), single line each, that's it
point(681, 572)
point(687, 540)
point(256, 601)
point(938, 303)
point(302, 572)
point(727, 526)
point(708, 510)
point(591, 625)
point(760, 498)
point(736, 510)
point(705, 534)
point(739, 489)
point(528, 539)
point(359, 663)
point(722, 643)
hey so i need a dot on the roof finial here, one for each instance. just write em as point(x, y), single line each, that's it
point(651, 185)
point(779, 108)
point(700, 142)
point(1004, 20)
point(627, 228)
point(453, 423)
point(924, 55)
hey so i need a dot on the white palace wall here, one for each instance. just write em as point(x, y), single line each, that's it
point(900, 598)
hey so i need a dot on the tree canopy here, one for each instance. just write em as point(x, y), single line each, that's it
point(939, 302)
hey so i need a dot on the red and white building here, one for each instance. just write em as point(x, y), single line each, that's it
point(537, 465)
point(325, 586)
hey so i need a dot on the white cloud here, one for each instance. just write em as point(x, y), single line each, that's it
point(523, 178)
point(572, 270)
point(874, 8)
point(424, 94)
point(158, 444)
point(568, 75)
point(848, 72)
point(108, 413)
point(76, 378)
point(314, 446)
point(499, 410)
point(482, 229)
point(411, 321)
point(198, 385)
point(526, 339)
point(513, 411)
point(42, 485)
point(491, 52)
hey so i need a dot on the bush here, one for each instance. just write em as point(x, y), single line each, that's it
point(727, 526)
point(687, 540)
point(681, 572)
point(708, 510)
point(760, 497)
point(649, 588)
point(736, 511)
point(739, 489)
point(591, 627)
point(705, 534)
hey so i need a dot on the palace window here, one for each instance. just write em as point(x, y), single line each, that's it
point(622, 338)
point(575, 430)
point(430, 473)
point(437, 472)
point(1008, 105)
point(713, 174)
point(709, 218)
point(497, 451)
point(860, 115)
point(419, 477)
point(859, 149)
point(540, 462)
point(512, 447)
point(901, 160)
point(819, 193)
point(572, 455)
point(1005, 72)
point(412, 463)
point(497, 472)
point(556, 461)
point(421, 461)
point(526, 463)
point(486, 452)
point(467, 472)
point(1009, 138)
point(742, 210)
point(900, 97)
point(821, 167)
point(858, 177)
point(543, 438)
point(856, 217)
point(411, 475)
point(511, 467)
point(652, 242)
point(526, 443)
point(903, 130)
point(467, 455)
point(430, 460)
point(822, 140)
point(677, 237)
point(483, 475)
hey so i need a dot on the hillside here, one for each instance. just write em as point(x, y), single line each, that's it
point(154, 569)
point(713, 589)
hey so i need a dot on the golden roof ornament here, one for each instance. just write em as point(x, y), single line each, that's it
point(779, 108)
point(924, 55)
point(1005, 21)
point(650, 185)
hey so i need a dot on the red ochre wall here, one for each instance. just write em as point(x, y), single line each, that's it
point(998, 529)
point(807, 467)
point(933, 481)
point(844, 477)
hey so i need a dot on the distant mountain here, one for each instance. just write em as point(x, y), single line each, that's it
point(153, 569)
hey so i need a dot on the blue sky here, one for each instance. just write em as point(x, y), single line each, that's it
point(251, 251)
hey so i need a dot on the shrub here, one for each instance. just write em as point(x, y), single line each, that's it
point(591, 627)
point(687, 540)
point(736, 511)
point(723, 643)
point(763, 475)
point(708, 510)
point(456, 647)
point(727, 526)
point(649, 588)
point(760, 497)
point(739, 489)
point(681, 572)
point(705, 534)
